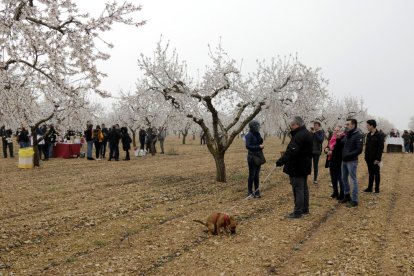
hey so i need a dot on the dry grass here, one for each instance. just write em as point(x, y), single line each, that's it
point(97, 217)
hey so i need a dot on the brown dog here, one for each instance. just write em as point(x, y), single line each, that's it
point(216, 222)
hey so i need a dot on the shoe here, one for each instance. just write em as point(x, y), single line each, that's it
point(377, 191)
point(294, 216)
point(353, 204)
point(334, 195)
point(315, 182)
point(347, 198)
point(250, 195)
point(305, 213)
point(368, 190)
point(116, 159)
point(341, 196)
point(109, 159)
point(257, 196)
point(90, 158)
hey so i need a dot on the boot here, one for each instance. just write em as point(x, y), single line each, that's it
point(341, 196)
point(347, 198)
point(334, 195)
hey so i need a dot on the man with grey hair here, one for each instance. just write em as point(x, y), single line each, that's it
point(297, 161)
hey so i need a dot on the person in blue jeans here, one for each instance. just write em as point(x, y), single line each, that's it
point(353, 144)
point(89, 141)
point(254, 145)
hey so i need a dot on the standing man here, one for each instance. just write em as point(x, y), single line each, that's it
point(142, 135)
point(6, 137)
point(318, 137)
point(374, 147)
point(161, 137)
point(114, 137)
point(297, 164)
point(352, 149)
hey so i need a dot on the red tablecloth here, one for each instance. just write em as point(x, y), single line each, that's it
point(67, 150)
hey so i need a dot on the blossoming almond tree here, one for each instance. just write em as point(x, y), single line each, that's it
point(142, 110)
point(222, 92)
point(49, 53)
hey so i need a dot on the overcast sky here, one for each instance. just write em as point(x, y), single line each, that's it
point(365, 48)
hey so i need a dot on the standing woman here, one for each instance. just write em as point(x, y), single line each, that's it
point(98, 139)
point(126, 142)
point(334, 152)
point(255, 158)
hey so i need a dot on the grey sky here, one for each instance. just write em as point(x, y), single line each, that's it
point(365, 48)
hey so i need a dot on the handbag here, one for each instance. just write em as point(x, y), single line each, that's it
point(258, 158)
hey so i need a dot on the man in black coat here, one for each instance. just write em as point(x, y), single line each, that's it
point(353, 144)
point(113, 137)
point(318, 137)
point(373, 152)
point(297, 161)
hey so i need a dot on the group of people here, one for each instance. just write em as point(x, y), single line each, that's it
point(99, 137)
point(344, 146)
point(408, 137)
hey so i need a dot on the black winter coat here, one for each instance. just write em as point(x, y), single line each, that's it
point(318, 138)
point(353, 144)
point(336, 158)
point(253, 141)
point(114, 136)
point(88, 135)
point(105, 133)
point(374, 147)
point(297, 159)
point(126, 141)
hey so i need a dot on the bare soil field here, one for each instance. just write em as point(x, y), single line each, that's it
point(80, 217)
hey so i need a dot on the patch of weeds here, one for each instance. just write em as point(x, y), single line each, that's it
point(100, 243)
point(71, 260)
point(238, 177)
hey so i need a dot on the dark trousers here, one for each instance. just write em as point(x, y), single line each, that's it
point(336, 178)
point(97, 149)
point(45, 149)
point(103, 148)
point(5, 146)
point(113, 151)
point(142, 143)
point(300, 194)
point(315, 158)
point(374, 175)
point(254, 172)
point(127, 155)
point(40, 150)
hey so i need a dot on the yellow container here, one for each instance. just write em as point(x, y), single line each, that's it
point(26, 158)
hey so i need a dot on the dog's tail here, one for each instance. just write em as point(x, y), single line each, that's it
point(199, 221)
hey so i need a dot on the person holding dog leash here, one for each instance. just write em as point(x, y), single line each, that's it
point(255, 158)
point(297, 162)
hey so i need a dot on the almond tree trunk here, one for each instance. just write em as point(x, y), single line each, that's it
point(220, 167)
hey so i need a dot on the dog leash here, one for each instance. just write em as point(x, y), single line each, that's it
point(252, 194)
